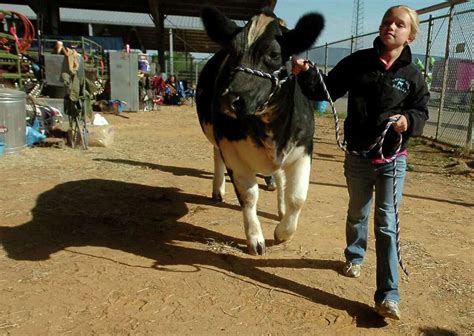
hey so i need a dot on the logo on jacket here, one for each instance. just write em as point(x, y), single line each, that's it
point(401, 84)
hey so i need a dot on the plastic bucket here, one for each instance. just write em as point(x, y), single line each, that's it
point(118, 107)
point(12, 120)
point(321, 106)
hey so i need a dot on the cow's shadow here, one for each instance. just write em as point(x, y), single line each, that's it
point(177, 171)
point(192, 172)
point(145, 221)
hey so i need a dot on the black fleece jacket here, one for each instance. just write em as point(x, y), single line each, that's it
point(375, 94)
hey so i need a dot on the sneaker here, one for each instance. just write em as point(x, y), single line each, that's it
point(351, 270)
point(388, 309)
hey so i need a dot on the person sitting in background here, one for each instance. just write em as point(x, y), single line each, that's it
point(158, 85)
point(171, 91)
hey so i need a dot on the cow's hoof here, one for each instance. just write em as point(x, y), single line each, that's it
point(271, 187)
point(257, 249)
point(270, 182)
point(281, 214)
point(217, 197)
point(281, 237)
point(277, 241)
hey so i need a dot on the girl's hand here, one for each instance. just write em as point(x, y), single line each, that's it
point(299, 65)
point(401, 125)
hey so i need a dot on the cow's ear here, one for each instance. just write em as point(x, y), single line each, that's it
point(303, 36)
point(219, 27)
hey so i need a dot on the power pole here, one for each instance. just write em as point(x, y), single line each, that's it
point(358, 23)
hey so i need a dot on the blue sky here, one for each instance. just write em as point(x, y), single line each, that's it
point(338, 14)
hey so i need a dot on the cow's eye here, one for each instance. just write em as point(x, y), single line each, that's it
point(272, 58)
point(274, 55)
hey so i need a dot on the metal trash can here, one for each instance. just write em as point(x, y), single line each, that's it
point(12, 121)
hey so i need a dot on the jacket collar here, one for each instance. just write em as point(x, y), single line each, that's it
point(404, 58)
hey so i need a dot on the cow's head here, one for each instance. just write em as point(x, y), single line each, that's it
point(264, 44)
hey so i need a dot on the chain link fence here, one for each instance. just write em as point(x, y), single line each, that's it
point(443, 52)
point(187, 70)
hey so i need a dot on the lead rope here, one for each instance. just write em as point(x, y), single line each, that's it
point(378, 142)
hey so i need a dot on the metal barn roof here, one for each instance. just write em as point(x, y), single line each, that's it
point(189, 31)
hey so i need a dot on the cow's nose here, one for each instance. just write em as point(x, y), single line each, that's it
point(237, 104)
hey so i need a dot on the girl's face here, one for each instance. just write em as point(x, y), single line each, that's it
point(395, 29)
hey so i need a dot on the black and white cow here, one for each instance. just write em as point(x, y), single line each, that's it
point(250, 133)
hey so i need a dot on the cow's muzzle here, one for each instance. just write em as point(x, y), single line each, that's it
point(232, 104)
point(277, 79)
point(237, 103)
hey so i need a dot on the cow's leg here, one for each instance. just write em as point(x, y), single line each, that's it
point(247, 191)
point(296, 190)
point(218, 181)
point(280, 182)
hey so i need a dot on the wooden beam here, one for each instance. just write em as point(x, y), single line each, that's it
point(235, 9)
point(159, 19)
point(49, 12)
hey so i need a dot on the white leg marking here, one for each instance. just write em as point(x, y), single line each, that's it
point(280, 180)
point(297, 182)
point(218, 180)
point(247, 188)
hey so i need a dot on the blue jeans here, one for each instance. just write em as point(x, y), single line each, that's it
point(362, 177)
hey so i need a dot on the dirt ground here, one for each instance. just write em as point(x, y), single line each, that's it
point(125, 240)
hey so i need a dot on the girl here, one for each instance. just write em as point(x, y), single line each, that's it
point(381, 82)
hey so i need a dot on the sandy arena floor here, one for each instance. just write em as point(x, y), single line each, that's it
point(124, 240)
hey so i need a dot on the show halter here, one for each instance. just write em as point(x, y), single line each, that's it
point(274, 77)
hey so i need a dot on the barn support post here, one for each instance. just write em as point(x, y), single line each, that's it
point(326, 59)
point(158, 20)
point(196, 73)
point(470, 125)
point(187, 65)
point(171, 52)
point(188, 60)
point(48, 22)
point(445, 72)
point(134, 31)
point(49, 13)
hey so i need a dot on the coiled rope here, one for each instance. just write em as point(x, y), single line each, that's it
point(23, 42)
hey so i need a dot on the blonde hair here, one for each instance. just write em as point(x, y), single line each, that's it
point(415, 20)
